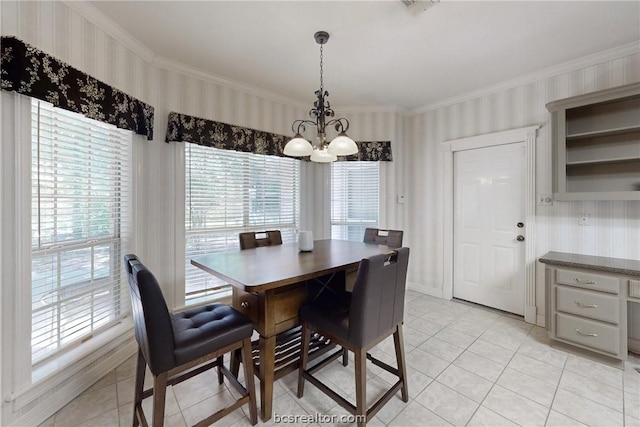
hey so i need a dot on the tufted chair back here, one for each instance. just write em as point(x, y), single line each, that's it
point(151, 318)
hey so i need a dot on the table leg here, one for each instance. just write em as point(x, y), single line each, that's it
point(267, 370)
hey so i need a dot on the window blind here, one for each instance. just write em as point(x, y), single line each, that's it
point(228, 192)
point(354, 199)
point(80, 224)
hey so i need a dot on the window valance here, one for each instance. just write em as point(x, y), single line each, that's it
point(29, 71)
point(196, 130)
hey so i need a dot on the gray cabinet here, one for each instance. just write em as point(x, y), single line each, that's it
point(587, 310)
point(587, 300)
point(596, 145)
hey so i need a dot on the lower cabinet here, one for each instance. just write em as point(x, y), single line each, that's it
point(588, 309)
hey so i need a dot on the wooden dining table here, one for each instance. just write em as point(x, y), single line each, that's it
point(270, 283)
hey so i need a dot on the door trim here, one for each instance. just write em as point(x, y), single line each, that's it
point(528, 136)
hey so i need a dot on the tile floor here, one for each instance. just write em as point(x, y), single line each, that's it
point(467, 366)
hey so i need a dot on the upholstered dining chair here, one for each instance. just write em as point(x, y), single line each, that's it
point(375, 311)
point(391, 238)
point(178, 346)
point(255, 239)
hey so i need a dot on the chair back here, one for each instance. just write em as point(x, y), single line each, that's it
point(255, 239)
point(377, 303)
point(151, 318)
point(391, 238)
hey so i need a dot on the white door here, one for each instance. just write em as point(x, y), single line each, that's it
point(489, 260)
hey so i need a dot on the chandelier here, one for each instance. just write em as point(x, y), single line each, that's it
point(322, 115)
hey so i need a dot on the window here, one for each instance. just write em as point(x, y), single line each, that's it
point(228, 192)
point(354, 199)
point(79, 223)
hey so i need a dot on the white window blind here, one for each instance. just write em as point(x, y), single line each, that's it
point(80, 205)
point(354, 199)
point(228, 192)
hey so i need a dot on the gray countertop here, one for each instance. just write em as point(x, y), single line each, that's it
point(630, 267)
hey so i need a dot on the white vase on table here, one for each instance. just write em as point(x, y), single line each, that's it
point(305, 241)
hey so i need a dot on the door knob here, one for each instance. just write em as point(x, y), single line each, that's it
point(520, 238)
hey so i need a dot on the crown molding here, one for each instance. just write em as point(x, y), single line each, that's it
point(566, 67)
point(355, 109)
point(100, 20)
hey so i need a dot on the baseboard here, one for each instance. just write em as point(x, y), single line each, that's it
point(55, 399)
point(634, 345)
point(417, 287)
point(540, 320)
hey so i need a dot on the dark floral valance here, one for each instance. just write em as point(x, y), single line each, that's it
point(184, 128)
point(371, 151)
point(31, 72)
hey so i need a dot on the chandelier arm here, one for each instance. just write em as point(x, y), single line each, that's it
point(298, 126)
point(341, 124)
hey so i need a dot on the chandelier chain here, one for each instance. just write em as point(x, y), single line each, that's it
point(321, 66)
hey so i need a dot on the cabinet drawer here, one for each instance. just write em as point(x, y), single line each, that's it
point(594, 305)
point(588, 333)
point(597, 282)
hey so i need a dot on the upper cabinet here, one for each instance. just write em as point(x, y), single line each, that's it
point(596, 145)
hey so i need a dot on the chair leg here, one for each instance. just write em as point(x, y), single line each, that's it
point(141, 368)
point(304, 357)
point(360, 356)
point(247, 361)
point(402, 366)
point(159, 397)
point(235, 362)
point(220, 362)
point(345, 357)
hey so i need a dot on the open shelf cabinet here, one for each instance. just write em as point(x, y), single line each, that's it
point(596, 145)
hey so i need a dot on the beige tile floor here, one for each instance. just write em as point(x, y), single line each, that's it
point(467, 366)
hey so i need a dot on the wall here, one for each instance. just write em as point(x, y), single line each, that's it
point(615, 229)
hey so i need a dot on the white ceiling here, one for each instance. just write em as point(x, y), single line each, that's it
point(378, 54)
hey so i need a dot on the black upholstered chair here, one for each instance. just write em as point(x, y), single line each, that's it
point(255, 239)
point(180, 345)
point(391, 238)
point(374, 312)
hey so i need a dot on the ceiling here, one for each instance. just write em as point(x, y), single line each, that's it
point(378, 54)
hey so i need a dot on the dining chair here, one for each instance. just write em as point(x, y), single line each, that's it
point(375, 312)
point(178, 346)
point(255, 239)
point(391, 238)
